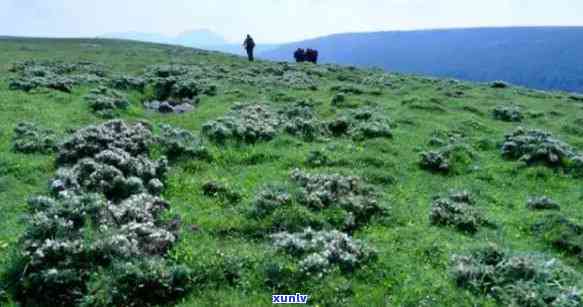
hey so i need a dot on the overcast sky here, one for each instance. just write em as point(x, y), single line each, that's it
point(273, 20)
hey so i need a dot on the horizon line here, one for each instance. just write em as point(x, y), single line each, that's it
point(228, 42)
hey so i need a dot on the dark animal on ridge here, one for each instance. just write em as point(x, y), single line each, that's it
point(309, 55)
point(312, 56)
point(300, 55)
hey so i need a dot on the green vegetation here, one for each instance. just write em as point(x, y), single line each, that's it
point(281, 178)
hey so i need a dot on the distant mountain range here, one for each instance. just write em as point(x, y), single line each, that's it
point(203, 38)
point(537, 57)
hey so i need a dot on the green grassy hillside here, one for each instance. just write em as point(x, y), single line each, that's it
point(287, 147)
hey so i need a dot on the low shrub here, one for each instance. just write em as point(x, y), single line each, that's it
point(104, 102)
point(509, 113)
point(178, 143)
point(320, 201)
point(300, 120)
point(251, 123)
point(536, 146)
point(299, 80)
point(561, 233)
point(347, 89)
point(576, 97)
point(378, 80)
point(375, 128)
point(30, 138)
point(125, 83)
point(115, 173)
point(54, 75)
point(348, 193)
point(317, 158)
point(116, 134)
point(361, 124)
point(247, 123)
point(270, 198)
point(102, 237)
point(457, 210)
point(542, 203)
point(221, 191)
point(449, 159)
point(517, 279)
point(58, 83)
point(179, 83)
point(444, 137)
point(499, 84)
point(221, 269)
point(147, 282)
point(321, 251)
point(338, 100)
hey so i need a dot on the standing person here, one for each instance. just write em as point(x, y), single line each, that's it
point(249, 45)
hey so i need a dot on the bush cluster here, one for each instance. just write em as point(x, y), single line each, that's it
point(499, 84)
point(179, 89)
point(30, 138)
point(116, 134)
point(536, 146)
point(317, 158)
point(338, 100)
point(444, 137)
point(113, 172)
point(172, 106)
point(517, 279)
point(561, 233)
point(318, 200)
point(221, 191)
point(347, 89)
point(54, 75)
point(542, 203)
point(251, 123)
point(576, 97)
point(320, 191)
point(378, 80)
point(449, 159)
point(178, 143)
point(104, 102)
point(510, 113)
point(246, 123)
point(143, 282)
point(43, 68)
point(269, 199)
point(457, 210)
point(299, 119)
point(179, 83)
point(299, 80)
point(102, 236)
point(125, 83)
point(264, 75)
point(27, 84)
point(363, 123)
point(321, 251)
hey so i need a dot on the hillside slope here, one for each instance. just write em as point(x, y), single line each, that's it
point(355, 187)
point(543, 58)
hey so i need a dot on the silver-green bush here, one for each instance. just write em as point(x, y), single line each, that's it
point(321, 251)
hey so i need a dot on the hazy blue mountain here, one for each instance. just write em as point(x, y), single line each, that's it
point(538, 57)
point(203, 38)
